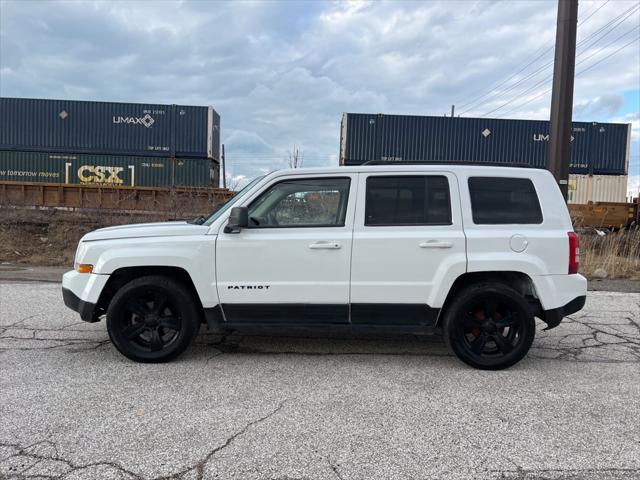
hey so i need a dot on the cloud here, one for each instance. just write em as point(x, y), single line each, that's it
point(602, 106)
point(282, 73)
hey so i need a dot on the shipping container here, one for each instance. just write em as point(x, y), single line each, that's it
point(69, 126)
point(597, 188)
point(107, 170)
point(597, 148)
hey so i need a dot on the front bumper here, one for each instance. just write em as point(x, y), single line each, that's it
point(85, 309)
point(81, 292)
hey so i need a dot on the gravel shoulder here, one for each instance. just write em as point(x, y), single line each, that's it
point(15, 272)
point(614, 285)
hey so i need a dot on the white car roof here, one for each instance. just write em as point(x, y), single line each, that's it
point(462, 169)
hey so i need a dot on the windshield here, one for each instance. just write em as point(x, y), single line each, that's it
point(229, 203)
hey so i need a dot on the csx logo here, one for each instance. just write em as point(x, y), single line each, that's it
point(100, 174)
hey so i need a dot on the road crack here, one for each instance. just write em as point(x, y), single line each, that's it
point(18, 464)
point(200, 467)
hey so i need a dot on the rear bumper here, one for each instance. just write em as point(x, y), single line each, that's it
point(85, 309)
point(554, 316)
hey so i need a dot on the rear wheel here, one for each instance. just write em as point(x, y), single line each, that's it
point(152, 319)
point(489, 326)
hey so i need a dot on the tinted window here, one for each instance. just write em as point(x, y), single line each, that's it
point(496, 200)
point(301, 203)
point(407, 200)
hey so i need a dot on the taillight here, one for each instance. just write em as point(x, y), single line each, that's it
point(574, 252)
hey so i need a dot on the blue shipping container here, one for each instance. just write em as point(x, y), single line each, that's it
point(597, 148)
point(109, 128)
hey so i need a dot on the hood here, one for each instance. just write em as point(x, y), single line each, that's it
point(160, 229)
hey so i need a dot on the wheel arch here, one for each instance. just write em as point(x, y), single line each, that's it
point(124, 275)
point(518, 281)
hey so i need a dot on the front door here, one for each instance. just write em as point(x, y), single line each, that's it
point(292, 265)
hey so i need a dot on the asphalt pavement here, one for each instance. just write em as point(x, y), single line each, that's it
point(286, 407)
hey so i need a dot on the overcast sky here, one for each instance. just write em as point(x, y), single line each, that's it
point(282, 73)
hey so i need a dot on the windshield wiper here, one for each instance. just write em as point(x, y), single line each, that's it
point(197, 221)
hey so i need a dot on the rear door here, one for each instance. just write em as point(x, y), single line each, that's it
point(408, 241)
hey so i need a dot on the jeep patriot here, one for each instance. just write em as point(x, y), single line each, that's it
point(477, 252)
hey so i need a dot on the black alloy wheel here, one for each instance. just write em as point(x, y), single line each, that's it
point(489, 326)
point(152, 319)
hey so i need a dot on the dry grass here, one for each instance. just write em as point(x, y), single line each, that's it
point(616, 255)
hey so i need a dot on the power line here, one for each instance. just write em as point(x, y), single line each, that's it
point(608, 56)
point(625, 14)
point(579, 73)
point(596, 11)
point(608, 45)
point(547, 79)
point(544, 80)
point(526, 65)
point(492, 89)
point(617, 21)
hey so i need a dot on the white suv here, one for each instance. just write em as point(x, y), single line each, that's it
point(477, 251)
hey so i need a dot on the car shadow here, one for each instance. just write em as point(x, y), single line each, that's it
point(275, 341)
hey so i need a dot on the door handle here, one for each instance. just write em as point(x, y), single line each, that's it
point(435, 244)
point(325, 245)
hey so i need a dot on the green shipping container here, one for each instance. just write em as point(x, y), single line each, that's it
point(107, 170)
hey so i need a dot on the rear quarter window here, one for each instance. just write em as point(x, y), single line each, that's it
point(501, 200)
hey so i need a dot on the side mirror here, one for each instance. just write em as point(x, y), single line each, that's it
point(238, 219)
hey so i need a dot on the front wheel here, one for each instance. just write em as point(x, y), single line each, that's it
point(489, 326)
point(152, 319)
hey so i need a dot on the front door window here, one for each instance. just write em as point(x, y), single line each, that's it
point(301, 203)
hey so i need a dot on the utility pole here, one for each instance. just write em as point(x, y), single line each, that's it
point(295, 157)
point(562, 95)
point(224, 168)
point(453, 109)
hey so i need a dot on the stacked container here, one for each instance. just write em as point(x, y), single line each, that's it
point(109, 144)
point(600, 151)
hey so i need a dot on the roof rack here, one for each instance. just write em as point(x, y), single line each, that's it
point(445, 162)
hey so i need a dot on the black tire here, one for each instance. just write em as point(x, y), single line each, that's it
point(489, 326)
point(152, 319)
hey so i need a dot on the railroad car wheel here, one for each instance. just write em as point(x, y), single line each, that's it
point(152, 319)
point(489, 326)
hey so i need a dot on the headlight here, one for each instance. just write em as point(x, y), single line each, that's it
point(81, 251)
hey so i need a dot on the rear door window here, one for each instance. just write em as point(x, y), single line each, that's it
point(500, 200)
point(407, 200)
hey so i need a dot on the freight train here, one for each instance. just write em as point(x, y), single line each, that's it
point(133, 155)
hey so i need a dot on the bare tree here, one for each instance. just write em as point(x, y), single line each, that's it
point(294, 157)
point(233, 183)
